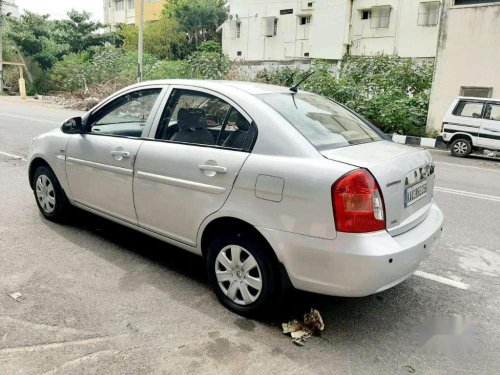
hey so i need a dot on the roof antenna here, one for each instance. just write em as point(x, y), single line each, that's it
point(295, 87)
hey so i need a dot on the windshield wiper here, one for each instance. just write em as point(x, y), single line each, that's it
point(295, 87)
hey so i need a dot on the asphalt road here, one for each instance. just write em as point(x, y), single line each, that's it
point(102, 299)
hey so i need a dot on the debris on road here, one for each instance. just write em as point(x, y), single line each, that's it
point(301, 331)
point(16, 296)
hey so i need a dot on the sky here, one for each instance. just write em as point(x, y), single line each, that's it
point(58, 8)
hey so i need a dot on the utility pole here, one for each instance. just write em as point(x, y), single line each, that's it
point(141, 41)
point(1, 47)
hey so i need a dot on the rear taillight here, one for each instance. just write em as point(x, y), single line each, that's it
point(357, 203)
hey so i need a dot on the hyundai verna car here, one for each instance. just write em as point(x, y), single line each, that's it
point(272, 187)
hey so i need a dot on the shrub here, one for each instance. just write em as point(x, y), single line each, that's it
point(391, 92)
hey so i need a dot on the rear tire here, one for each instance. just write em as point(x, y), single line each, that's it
point(243, 273)
point(49, 195)
point(461, 147)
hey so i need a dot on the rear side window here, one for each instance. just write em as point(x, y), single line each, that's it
point(322, 122)
point(469, 109)
point(198, 118)
point(492, 112)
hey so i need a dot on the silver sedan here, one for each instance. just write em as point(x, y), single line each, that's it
point(271, 186)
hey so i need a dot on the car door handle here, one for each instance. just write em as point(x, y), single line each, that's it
point(213, 168)
point(124, 154)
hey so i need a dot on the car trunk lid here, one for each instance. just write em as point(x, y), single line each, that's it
point(405, 176)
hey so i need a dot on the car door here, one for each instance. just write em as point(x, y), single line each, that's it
point(489, 135)
point(99, 162)
point(187, 168)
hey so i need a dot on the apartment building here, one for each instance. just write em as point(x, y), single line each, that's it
point(406, 28)
point(328, 29)
point(468, 55)
point(9, 7)
point(127, 11)
point(280, 30)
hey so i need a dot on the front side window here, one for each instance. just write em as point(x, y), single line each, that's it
point(492, 112)
point(469, 109)
point(199, 118)
point(125, 116)
point(322, 122)
point(428, 13)
point(380, 17)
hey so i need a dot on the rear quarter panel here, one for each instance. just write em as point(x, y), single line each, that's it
point(305, 207)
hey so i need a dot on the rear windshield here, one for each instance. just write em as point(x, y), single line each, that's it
point(323, 122)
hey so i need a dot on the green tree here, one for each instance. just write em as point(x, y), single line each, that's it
point(198, 19)
point(163, 38)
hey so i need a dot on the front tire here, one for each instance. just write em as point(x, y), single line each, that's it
point(461, 147)
point(49, 195)
point(243, 273)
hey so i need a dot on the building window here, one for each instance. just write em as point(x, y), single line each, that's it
point(269, 26)
point(306, 54)
point(310, 5)
point(238, 53)
point(472, 2)
point(131, 4)
point(306, 20)
point(476, 92)
point(286, 11)
point(119, 5)
point(428, 13)
point(366, 14)
point(238, 30)
point(380, 17)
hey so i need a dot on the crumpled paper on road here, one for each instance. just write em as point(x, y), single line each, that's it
point(301, 331)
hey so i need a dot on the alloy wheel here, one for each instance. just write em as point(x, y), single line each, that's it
point(460, 148)
point(45, 194)
point(238, 275)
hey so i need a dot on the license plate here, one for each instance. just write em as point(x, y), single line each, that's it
point(415, 193)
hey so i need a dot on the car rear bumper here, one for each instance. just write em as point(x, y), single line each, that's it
point(355, 265)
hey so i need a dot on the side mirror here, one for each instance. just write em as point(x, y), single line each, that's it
point(73, 126)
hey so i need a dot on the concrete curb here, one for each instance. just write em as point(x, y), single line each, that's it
point(419, 141)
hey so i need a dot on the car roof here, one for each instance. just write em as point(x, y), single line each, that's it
point(478, 98)
point(248, 87)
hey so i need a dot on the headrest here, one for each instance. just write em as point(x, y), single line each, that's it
point(242, 123)
point(191, 118)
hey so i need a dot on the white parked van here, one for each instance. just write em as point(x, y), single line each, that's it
point(471, 125)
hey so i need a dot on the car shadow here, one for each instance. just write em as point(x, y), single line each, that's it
point(348, 320)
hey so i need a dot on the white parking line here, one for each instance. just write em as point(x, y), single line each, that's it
point(13, 156)
point(468, 194)
point(442, 280)
point(31, 119)
point(468, 166)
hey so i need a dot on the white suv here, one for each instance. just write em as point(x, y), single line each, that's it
point(472, 124)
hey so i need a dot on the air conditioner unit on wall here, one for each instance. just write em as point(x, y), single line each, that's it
point(268, 26)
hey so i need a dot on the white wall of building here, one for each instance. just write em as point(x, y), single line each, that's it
point(403, 36)
point(325, 37)
point(10, 7)
point(468, 55)
point(119, 11)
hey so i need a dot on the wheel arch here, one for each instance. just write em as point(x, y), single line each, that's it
point(35, 163)
point(220, 224)
point(460, 136)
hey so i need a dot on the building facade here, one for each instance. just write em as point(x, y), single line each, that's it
point(127, 11)
point(10, 8)
point(258, 30)
point(468, 55)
